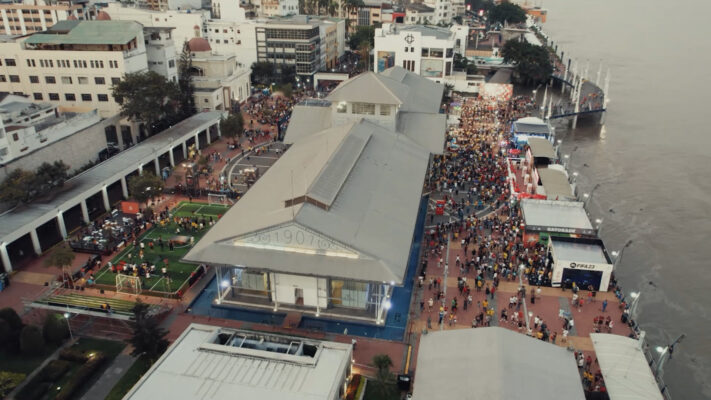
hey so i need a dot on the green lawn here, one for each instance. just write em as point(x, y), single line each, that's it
point(23, 363)
point(109, 348)
point(132, 375)
point(178, 271)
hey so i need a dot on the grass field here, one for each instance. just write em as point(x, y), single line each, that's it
point(178, 272)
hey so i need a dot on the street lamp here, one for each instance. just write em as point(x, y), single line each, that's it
point(665, 353)
point(598, 226)
point(66, 318)
point(633, 306)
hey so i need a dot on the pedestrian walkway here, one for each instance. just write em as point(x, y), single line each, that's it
point(110, 377)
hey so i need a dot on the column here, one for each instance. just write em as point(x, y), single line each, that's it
point(157, 164)
point(276, 302)
point(62, 227)
point(207, 134)
point(140, 169)
point(35, 242)
point(185, 151)
point(84, 211)
point(171, 157)
point(5, 257)
point(105, 196)
point(124, 187)
point(197, 141)
point(219, 131)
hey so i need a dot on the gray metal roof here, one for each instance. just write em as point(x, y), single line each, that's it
point(555, 182)
point(368, 216)
point(418, 99)
point(531, 125)
point(579, 251)
point(541, 147)
point(16, 223)
point(426, 30)
point(493, 363)
point(502, 76)
point(556, 216)
point(194, 367)
point(624, 368)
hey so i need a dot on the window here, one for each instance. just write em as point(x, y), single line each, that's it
point(15, 137)
point(171, 64)
point(67, 80)
point(406, 48)
point(10, 62)
point(363, 108)
point(34, 79)
point(2, 78)
point(448, 68)
point(54, 96)
point(37, 96)
point(30, 62)
point(14, 78)
point(70, 97)
point(99, 80)
point(342, 107)
point(85, 97)
point(50, 79)
point(450, 53)
point(115, 81)
point(385, 109)
point(83, 80)
point(436, 53)
point(102, 97)
point(425, 52)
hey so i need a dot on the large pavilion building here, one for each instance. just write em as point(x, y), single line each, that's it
point(328, 230)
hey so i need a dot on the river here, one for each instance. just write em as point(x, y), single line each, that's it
point(652, 159)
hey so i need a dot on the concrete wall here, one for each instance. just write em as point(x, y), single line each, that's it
point(75, 150)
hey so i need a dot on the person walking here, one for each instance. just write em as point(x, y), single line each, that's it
point(604, 305)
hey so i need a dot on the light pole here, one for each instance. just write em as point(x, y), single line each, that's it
point(66, 318)
point(633, 306)
point(598, 226)
point(666, 352)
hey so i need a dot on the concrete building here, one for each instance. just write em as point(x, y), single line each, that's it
point(74, 63)
point(161, 52)
point(309, 43)
point(163, 5)
point(236, 38)
point(220, 80)
point(425, 50)
point(443, 11)
point(187, 23)
point(26, 127)
point(328, 230)
point(36, 227)
point(28, 16)
point(276, 8)
point(418, 13)
point(221, 364)
point(373, 12)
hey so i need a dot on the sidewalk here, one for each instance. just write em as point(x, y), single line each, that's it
point(111, 376)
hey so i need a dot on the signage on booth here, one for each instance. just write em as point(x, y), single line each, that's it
point(582, 266)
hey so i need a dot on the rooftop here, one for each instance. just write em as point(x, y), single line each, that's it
point(555, 183)
point(40, 211)
point(580, 250)
point(531, 125)
point(424, 30)
point(353, 192)
point(219, 363)
point(541, 147)
point(88, 32)
point(493, 363)
point(419, 7)
point(556, 216)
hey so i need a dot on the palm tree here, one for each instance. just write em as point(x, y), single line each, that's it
point(364, 50)
point(61, 257)
point(384, 382)
point(351, 6)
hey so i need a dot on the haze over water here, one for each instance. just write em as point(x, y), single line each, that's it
point(652, 158)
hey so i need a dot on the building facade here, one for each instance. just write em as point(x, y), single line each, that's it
point(74, 63)
point(28, 16)
point(161, 52)
point(236, 38)
point(276, 8)
point(425, 50)
point(305, 42)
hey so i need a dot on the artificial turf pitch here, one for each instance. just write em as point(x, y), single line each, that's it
point(178, 271)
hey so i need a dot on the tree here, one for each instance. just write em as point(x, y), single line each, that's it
point(262, 72)
point(55, 329)
point(185, 83)
point(61, 257)
point(533, 63)
point(384, 383)
point(460, 62)
point(31, 340)
point(49, 176)
point(148, 97)
point(17, 187)
point(13, 320)
point(472, 69)
point(507, 12)
point(148, 338)
point(364, 50)
point(145, 186)
point(351, 6)
point(361, 35)
point(232, 126)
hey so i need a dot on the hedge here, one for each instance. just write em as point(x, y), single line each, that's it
point(9, 381)
point(81, 376)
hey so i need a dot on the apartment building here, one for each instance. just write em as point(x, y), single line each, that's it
point(161, 52)
point(73, 63)
point(28, 16)
point(309, 43)
point(425, 50)
point(236, 38)
point(276, 8)
point(220, 80)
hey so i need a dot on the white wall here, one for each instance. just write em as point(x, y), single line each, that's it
point(395, 42)
point(233, 38)
point(286, 285)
